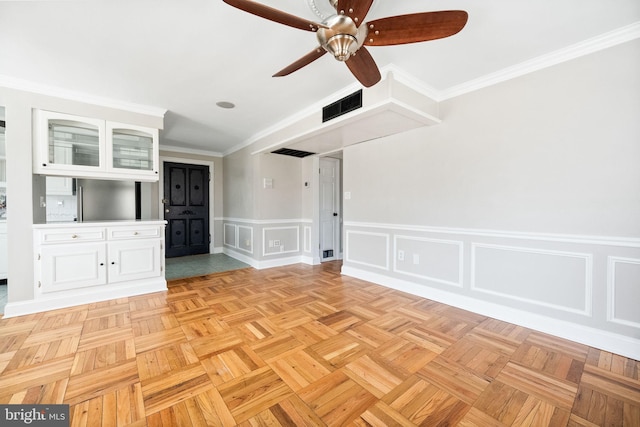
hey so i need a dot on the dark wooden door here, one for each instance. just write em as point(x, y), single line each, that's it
point(186, 209)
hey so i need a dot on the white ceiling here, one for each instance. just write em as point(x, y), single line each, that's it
point(184, 56)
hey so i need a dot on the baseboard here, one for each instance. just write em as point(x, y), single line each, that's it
point(608, 341)
point(82, 296)
point(271, 263)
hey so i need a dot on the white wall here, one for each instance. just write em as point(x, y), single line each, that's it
point(264, 196)
point(524, 204)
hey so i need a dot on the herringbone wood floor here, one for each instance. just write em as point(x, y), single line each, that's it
point(303, 345)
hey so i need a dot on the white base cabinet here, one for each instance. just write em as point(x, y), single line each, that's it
point(71, 266)
point(106, 260)
point(134, 260)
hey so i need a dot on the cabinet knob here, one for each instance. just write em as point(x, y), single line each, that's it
point(113, 263)
point(74, 236)
point(101, 264)
point(135, 233)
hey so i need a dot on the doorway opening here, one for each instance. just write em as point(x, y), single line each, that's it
point(330, 206)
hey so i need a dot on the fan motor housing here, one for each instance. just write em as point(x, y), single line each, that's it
point(343, 38)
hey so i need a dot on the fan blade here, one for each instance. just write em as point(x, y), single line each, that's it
point(417, 27)
point(305, 60)
point(364, 68)
point(275, 15)
point(354, 9)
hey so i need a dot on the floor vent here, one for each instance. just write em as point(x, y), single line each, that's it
point(294, 153)
point(343, 106)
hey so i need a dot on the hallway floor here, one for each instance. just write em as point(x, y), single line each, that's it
point(200, 265)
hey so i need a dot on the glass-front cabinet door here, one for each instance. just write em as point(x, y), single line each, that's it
point(83, 147)
point(70, 143)
point(132, 149)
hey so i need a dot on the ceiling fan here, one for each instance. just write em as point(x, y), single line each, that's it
point(344, 35)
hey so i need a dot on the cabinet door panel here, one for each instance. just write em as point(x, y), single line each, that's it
point(134, 260)
point(69, 143)
point(132, 149)
point(73, 266)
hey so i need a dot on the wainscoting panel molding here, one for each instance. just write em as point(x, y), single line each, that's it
point(581, 287)
point(436, 260)
point(280, 240)
point(367, 248)
point(623, 291)
point(230, 237)
point(245, 238)
point(554, 279)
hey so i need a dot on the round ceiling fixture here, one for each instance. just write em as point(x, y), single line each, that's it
point(225, 104)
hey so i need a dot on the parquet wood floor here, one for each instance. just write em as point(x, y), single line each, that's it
point(305, 346)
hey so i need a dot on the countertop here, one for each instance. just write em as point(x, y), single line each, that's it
point(100, 223)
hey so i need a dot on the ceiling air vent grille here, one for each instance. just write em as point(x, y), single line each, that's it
point(294, 153)
point(343, 106)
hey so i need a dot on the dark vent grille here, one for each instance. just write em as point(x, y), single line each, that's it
point(294, 153)
point(343, 106)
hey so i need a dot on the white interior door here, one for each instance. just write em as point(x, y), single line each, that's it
point(329, 209)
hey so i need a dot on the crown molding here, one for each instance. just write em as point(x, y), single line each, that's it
point(594, 44)
point(42, 89)
point(301, 114)
point(184, 150)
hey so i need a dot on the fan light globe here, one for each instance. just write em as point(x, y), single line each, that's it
point(342, 46)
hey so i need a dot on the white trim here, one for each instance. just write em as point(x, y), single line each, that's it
point(84, 296)
point(630, 242)
point(306, 236)
point(389, 104)
point(39, 88)
point(588, 285)
point(184, 150)
point(608, 341)
point(367, 233)
point(293, 119)
point(267, 221)
point(275, 262)
point(211, 189)
point(611, 289)
point(594, 44)
point(585, 47)
point(460, 244)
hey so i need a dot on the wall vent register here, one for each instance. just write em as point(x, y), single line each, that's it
point(294, 153)
point(343, 106)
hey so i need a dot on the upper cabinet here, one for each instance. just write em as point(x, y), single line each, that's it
point(77, 146)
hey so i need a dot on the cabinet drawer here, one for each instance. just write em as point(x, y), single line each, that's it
point(72, 235)
point(142, 232)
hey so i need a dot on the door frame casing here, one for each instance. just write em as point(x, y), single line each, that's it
point(170, 159)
